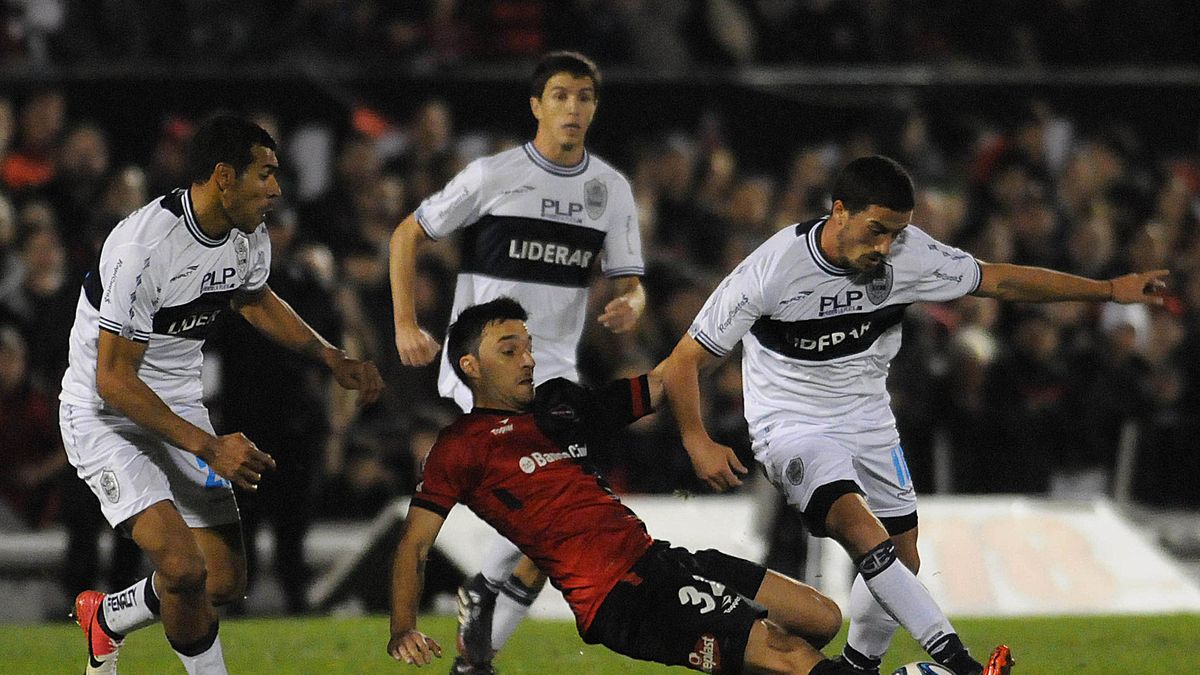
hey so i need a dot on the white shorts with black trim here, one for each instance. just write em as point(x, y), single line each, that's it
point(129, 468)
point(798, 459)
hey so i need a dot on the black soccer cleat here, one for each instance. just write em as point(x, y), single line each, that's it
point(462, 667)
point(476, 605)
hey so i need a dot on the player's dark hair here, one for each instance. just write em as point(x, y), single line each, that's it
point(554, 63)
point(466, 332)
point(224, 139)
point(874, 180)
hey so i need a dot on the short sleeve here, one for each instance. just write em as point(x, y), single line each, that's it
point(623, 242)
point(733, 307)
point(444, 481)
point(456, 205)
point(130, 294)
point(945, 272)
point(260, 257)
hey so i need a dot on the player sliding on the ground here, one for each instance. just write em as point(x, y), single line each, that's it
point(519, 461)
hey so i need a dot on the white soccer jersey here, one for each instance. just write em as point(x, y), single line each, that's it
point(163, 282)
point(533, 231)
point(818, 338)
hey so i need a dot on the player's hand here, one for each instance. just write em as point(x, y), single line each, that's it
point(361, 376)
point(236, 458)
point(415, 346)
point(414, 648)
point(620, 315)
point(1147, 287)
point(715, 464)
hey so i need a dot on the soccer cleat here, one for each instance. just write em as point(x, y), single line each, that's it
point(1001, 662)
point(102, 650)
point(842, 661)
point(462, 667)
point(476, 604)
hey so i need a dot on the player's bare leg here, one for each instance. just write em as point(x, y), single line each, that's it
point(180, 578)
point(799, 609)
point(771, 649)
point(862, 536)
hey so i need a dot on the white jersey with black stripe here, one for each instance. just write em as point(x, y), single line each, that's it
point(534, 231)
point(162, 281)
point(817, 338)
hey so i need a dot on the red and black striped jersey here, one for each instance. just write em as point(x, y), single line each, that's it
point(527, 475)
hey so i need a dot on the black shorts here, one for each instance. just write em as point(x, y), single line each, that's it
point(682, 609)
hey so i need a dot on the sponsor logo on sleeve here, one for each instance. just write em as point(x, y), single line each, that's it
point(706, 654)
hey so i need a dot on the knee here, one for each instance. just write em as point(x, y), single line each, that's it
point(826, 624)
point(181, 573)
point(227, 586)
point(911, 559)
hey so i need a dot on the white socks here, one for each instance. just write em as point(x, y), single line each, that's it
point(512, 606)
point(203, 657)
point(871, 627)
point(897, 590)
point(126, 611)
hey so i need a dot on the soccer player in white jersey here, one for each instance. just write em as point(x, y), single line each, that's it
point(535, 221)
point(132, 419)
point(817, 308)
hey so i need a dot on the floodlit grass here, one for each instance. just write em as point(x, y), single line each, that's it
point(1042, 646)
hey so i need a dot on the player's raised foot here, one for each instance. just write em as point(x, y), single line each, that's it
point(462, 667)
point(476, 604)
point(102, 649)
point(1000, 663)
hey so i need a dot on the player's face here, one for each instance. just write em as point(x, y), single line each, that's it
point(565, 109)
point(505, 366)
point(865, 238)
point(253, 192)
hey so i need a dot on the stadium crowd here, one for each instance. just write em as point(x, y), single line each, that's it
point(659, 35)
point(1033, 399)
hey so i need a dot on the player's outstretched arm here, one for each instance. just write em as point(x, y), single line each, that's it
point(715, 464)
point(621, 314)
point(1019, 283)
point(415, 346)
point(276, 319)
point(232, 456)
point(406, 643)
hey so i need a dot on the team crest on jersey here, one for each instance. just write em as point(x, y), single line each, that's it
point(795, 471)
point(241, 248)
point(595, 197)
point(108, 483)
point(880, 286)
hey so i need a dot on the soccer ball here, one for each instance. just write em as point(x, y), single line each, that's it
point(922, 668)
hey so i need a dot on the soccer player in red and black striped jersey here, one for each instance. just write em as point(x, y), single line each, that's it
point(519, 460)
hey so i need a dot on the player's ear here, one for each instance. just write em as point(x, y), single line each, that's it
point(225, 175)
point(470, 365)
point(535, 107)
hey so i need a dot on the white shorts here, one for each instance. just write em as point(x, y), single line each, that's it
point(800, 459)
point(129, 468)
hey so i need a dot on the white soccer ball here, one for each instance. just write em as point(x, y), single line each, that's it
point(922, 668)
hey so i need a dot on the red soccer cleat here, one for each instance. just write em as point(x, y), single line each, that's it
point(1000, 663)
point(102, 650)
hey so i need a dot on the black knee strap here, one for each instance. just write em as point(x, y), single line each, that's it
point(199, 646)
point(877, 559)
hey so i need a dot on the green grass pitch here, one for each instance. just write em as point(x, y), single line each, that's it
point(1149, 645)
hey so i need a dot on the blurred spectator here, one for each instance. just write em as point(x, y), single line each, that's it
point(43, 306)
point(30, 163)
point(30, 446)
point(286, 411)
point(335, 219)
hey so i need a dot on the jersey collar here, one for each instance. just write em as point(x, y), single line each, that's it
point(556, 169)
point(193, 226)
point(823, 262)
